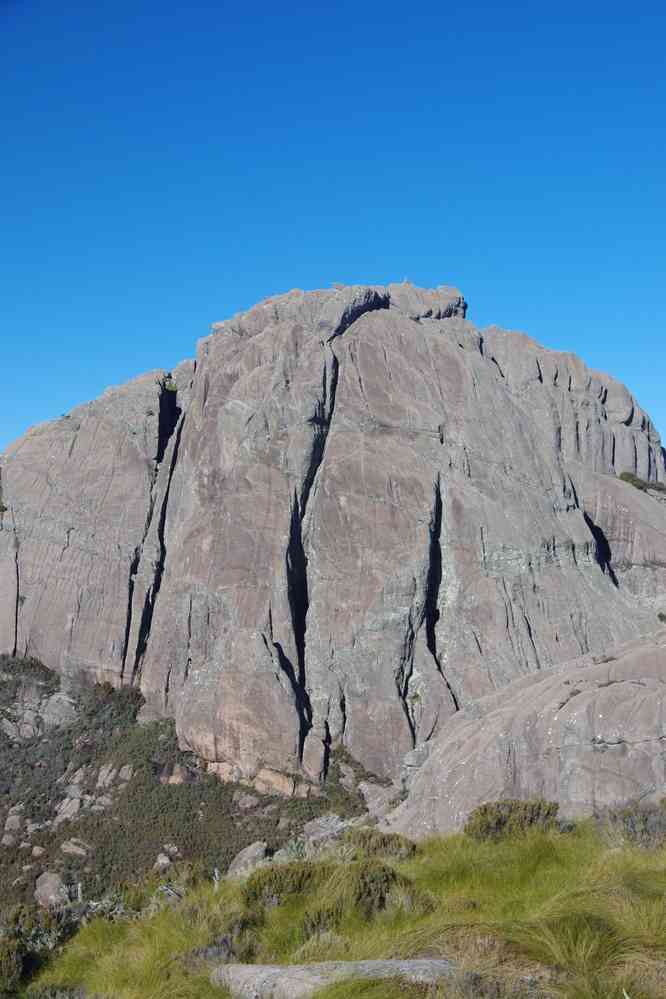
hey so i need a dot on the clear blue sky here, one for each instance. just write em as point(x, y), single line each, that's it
point(167, 164)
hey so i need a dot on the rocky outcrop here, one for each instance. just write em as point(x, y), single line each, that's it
point(588, 734)
point(353, 516)
point(297, 981)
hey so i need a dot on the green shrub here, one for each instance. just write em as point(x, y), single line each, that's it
point(274, 885)
point(361, 889)
point(11, 965)
point(662, 617)
point(637, 823)
point(510, 817)
point(374, 843)
point(642, 484)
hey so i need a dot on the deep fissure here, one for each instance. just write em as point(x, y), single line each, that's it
point(296, 559)
point(433, 585)
point(134, 568)
point(17, 604)
point(153, 592)
point(602, 549)
point(168, 416)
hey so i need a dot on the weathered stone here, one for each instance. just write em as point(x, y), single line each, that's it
point(378, 798)
point(177, 774)
point(75, 848)
point(38, 851)
point(163, 861)
point(243, 800)
point(107, 775)
point(248, 858)
point(298, 981)
point(588, 734)
point(67, 810)
point(14, 822)
point(50, 891)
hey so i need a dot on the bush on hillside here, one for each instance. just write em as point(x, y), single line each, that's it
point(361, 889)
point(11, 965)
point(274, 885)
point(638, 823)
point(642, 484)
point(510, 817)
point(374, 843)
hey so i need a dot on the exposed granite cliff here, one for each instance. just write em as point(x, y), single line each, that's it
point(352, 516)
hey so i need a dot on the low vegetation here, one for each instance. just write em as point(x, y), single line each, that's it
point(642, 484)
point(573, 910)
point(577, 914)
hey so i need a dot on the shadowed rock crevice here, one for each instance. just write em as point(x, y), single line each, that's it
point(403, 676)
point(134, 568)
point(169, 414)
point(377, 301)
point(602, 550)
point(153, 592)
point(433, 584)
point(296, 562)
point(17, 604)
point(299, 602)
point(168, 417)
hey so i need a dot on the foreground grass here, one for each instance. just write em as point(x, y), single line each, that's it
point(583, 920)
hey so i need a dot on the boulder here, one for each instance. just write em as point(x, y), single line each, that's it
point(247, 860)
point(75, 848)
point(50, 891)
point(298, 981)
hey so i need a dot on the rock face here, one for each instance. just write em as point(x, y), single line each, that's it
point(588, 735)
point(353, 516)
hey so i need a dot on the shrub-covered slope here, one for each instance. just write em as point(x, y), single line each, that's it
point(537, 910)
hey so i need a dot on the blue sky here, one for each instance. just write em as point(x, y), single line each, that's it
point(167, 164)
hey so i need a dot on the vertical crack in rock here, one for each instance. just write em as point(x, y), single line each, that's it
point(134, 568)
point(153, 592)
point(188, 661)
point(296, 561)
point(424, 616)
point(17, 603)
point(602, 550)
point(530, 635)
point(167, 421)
point(169, 414)
point(433, 584)
point(403, 675)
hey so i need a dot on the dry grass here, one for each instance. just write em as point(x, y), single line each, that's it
point(580, 919)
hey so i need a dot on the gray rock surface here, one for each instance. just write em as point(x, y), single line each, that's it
point(357, 515)
point(589, 734)
point(50, 891)
point(297, 981)
point(247, 860)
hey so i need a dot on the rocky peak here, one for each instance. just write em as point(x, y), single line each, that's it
point(355, 515)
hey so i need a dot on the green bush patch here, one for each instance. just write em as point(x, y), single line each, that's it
point(510, 817)
point(642, 484)
point(374, 843)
